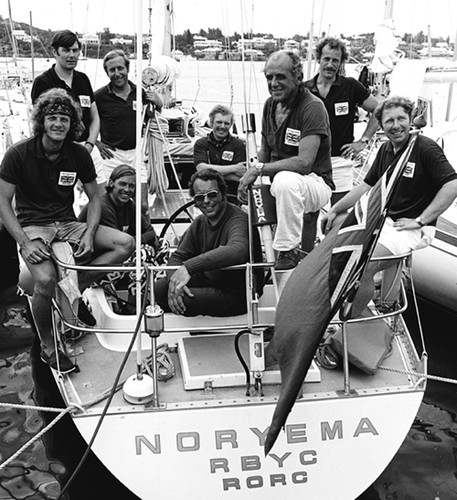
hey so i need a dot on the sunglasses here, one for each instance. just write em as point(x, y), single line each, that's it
point(200, 198)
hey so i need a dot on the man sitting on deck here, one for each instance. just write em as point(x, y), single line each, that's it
point(216, 239)
point(295, 154)
point(427, 188)
point(220, 150)
point(118, 206)
point(41, 173)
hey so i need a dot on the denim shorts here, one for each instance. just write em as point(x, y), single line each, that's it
point(70, 231)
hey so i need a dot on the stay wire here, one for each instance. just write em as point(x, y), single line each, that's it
point(113, 388)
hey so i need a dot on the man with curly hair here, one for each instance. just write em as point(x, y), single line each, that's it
point(41, 173)
point(341, 95)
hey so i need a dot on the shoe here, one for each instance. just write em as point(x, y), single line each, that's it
point(84, 314)
point(287, 260)
point(71, 335)
point(65, 364)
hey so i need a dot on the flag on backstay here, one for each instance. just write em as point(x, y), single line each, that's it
point(318, 286)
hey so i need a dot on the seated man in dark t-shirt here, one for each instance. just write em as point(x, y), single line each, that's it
point(220, 150)
point(118, 206)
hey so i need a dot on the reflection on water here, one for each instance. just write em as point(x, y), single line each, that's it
point(34, 474)
point(425, 468)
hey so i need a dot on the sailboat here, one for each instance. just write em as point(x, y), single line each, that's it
point(173, 404)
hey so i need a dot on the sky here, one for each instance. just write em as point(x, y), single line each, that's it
point(282, 19)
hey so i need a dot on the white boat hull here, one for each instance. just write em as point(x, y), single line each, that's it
point(334, 444)
point(435, 274)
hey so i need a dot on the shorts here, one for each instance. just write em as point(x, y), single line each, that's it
point(98, 164)
point(70, 231)
point(342, 173)
point(400, 242)
point(124, 157)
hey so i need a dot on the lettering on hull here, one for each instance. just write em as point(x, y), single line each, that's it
point(246, 472)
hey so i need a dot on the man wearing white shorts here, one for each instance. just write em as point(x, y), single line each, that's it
point(427, 188)
point(116, 104)
point(295, 154)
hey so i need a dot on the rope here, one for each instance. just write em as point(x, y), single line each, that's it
point(32, 407)
point(157, 175)
point(416, 374)
point(165, 366)
point(43, 431)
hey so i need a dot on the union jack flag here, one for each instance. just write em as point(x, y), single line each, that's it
point(317, 288)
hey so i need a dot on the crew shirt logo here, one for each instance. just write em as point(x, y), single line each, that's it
point(84, 101)
point(292, 137)
point(227, 155)
point(341, 108)
point(67, 178)
point(134, 105)
point(409, 170)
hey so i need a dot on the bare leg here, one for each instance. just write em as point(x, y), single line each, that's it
point(144, 199)
point(367, 285)
point(111, 247)
point(44, 277)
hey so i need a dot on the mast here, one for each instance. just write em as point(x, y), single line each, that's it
point(13, 40)
point(310, 44)
point(31, 46)
point(451, 85)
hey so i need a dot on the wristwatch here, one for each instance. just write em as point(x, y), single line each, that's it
point(418, 220)
point(364, 140)
point(259, 166)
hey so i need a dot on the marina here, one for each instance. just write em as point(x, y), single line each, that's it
point(160, 404)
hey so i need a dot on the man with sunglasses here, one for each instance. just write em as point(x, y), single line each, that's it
point(215, 240)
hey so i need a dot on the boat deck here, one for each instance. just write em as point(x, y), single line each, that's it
point(98, 368)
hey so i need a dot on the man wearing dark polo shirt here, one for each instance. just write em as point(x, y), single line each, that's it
point(116, 104)
point(220, 150)
point(295, 153)
point(427, 187)
point(66, 49)
point(40, 174)
point(341, 95)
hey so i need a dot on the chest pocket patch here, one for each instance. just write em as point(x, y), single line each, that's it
point(67, 178)
point(84, 101)
point(227, 155)
point(341, 108)
point(409, 170)
point(292, 137)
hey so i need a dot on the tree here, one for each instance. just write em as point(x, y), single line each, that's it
point(106, 36)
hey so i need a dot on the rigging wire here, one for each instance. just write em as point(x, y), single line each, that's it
point(114, 387)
